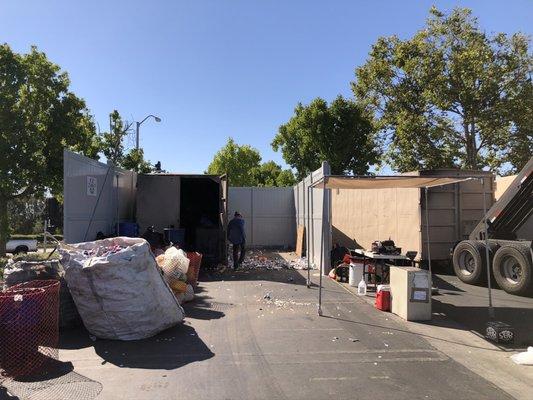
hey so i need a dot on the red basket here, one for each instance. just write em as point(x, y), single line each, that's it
point(29, 327)
point(194, 267)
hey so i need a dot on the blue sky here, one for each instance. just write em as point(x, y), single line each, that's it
point(218, 68)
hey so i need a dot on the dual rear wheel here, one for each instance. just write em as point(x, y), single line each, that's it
point(511, 265)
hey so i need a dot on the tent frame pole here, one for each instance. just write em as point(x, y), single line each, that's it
point(428, 240)
point(307, 237)
point(322, 247)
point(487, 255)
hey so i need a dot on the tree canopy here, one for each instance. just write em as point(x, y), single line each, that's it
point(339, 133)
point(452, 95)
point(39, 117)
point(242, 165)
point(271, 174)
point(112, 145)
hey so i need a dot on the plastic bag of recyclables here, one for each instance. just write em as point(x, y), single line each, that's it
point(524, 358)
point(175, 264)
point(118, 288)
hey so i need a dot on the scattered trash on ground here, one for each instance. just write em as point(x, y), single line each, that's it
point(286, 304)
point(257, 259)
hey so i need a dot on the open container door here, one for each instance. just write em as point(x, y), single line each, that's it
point(223, 219)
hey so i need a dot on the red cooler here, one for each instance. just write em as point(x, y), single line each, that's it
point(383, 302)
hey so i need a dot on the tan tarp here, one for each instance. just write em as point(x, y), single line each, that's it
point(381, 207)
point(360, 217)
point(386, 182)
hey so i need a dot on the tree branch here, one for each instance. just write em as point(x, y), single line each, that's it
point(29, 190)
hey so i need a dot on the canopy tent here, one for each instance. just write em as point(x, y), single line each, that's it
point(385, 182)
point(390, 182)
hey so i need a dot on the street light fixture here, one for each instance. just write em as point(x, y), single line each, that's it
point(138, 125)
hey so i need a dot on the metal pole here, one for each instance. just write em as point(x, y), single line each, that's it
point(487, 256)
point(45, 237)
point(428, 243)
point(307, 230)
point(322, 248)
point(118, 208)
point(138, 124)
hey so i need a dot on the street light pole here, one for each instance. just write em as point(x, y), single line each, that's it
point(137, 135)
point(138, 125)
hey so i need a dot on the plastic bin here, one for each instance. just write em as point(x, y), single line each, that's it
point(356, 273)
point(175, 236)
point(128, 229)
point(194, 267)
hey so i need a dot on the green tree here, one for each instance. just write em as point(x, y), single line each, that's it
point(237, 161)
point(271, 174)
point(112, 145)
point(452, 95)
point(39, 117)
point(242, 164)
point(339, 133)
point(113, 141)
point(26, 213)
point(134, 161)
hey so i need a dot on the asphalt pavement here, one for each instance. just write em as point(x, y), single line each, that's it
point(468, 305)
point(256, 335)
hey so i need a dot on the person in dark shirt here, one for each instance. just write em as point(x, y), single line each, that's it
point(237, 237)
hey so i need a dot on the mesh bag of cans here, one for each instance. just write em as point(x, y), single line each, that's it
point(29, 328)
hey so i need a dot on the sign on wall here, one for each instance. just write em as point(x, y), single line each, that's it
point(92, 186)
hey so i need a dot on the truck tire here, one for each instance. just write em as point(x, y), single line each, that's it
point(21, 250)
point(512, 268)
point(469, 262)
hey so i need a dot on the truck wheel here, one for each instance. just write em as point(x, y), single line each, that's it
point(21, 250)
point(469, 262)
point(513, 270)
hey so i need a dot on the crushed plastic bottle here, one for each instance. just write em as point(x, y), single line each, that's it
point(361, 288)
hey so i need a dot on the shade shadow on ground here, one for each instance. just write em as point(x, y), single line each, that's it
point(59, 382)
point(171, 349)
point(475, 319)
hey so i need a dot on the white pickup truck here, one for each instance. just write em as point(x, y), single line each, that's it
point(21, 246)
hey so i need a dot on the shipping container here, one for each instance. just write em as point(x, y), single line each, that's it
point(195, 203)
point(360, 217)
point(99, 197)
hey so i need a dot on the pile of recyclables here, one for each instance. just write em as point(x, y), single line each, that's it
point(119, 289)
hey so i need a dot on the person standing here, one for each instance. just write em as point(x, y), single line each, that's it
point(237, 237)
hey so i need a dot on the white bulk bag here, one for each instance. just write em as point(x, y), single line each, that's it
point(120, 295)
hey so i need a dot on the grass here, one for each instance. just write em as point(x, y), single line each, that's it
point(39, 237)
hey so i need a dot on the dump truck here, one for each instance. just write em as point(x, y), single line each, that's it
point(509, 223)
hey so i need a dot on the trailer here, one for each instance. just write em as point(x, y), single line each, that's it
point(506, 231)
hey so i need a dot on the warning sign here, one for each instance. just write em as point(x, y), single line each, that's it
point(92, 186)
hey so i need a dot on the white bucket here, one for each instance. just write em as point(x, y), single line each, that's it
point(355, 275)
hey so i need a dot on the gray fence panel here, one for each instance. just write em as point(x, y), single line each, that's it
point(309, 214)
point(93, 189)
point(269, 214)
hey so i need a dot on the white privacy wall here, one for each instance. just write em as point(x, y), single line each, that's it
point(97, 190)
point(269, 215)
point(309, 213)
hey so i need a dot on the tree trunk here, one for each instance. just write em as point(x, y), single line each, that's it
point(470, 139)
point(4, 226)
